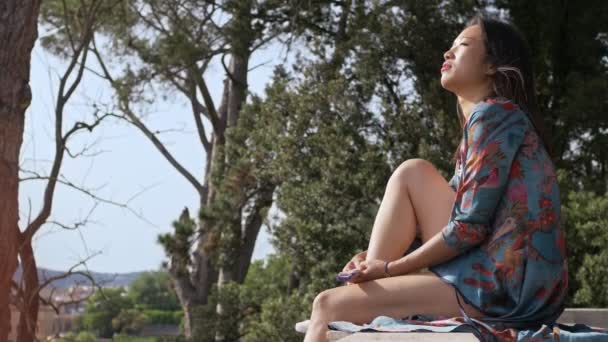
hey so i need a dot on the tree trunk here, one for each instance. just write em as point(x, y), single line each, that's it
point(236, 99)
point(251, 231)
point(29, 316)
point(18, 31)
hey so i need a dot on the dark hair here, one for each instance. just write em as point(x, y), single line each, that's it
point(508, 51)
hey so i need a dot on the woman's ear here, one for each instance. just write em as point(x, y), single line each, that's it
point(490, 69)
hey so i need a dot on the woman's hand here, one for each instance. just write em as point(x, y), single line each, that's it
point(369, 270)
point(353, 264)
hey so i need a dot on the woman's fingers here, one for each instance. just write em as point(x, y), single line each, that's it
point(359, 277)
point(350, 266)
point(356, 263)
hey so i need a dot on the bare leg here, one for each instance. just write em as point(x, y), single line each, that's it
point(396, 297)
point(416, 194)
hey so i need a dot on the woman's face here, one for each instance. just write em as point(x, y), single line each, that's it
point(464, 71)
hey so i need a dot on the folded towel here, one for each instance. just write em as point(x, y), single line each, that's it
point(302, 327)
point(484, 331)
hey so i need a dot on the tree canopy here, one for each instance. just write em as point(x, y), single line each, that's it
point(320, 144)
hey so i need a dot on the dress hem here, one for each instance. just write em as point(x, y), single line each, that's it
point(464, 298)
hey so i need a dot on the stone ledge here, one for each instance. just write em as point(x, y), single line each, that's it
point(343, 336)
point(592, 317)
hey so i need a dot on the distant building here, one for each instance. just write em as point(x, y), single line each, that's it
point(69, 302)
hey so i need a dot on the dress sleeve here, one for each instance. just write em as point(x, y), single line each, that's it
point(453, 181)
point(492, 136)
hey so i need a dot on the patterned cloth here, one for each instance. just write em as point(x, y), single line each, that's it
point(559, 332)
point(506, 221)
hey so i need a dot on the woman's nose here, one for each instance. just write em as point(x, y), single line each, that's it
point(448, 54)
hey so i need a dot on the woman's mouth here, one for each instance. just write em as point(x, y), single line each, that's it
point(446, 66)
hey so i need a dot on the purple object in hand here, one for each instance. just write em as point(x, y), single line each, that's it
point(346, 276)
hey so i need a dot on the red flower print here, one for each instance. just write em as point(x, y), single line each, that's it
point(518, 193)
point(515, 172)
point(545, 203)
point(474, 236)
point(533, 224)
point(546, 220)
point(471, 281)
point(508, 106)
point(540, 293)
point(489, 181)
point(543, 220)
point(479, 267)
point(461, 228)
point(488, 285)
point(530, 143)
point(551, 216)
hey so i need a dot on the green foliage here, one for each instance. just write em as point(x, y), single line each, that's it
point(276, 321)
point(179, 242)
point(331, 175)
point(129, 321)
point(261, 308)
point(83, 336)
point(69, 19)
point(127, 338)
point(153, 290)
point(102, 307)
point(267, 278)
point(149, 300)
point(323, 141)
point(586, 222)
point(570, 48)
point(163, 316)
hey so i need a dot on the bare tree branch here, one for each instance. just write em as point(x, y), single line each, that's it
point(77, 225)
point(211, 109)
point(70, 272)
point(60, 140)
point(67, 25)
point(136, 121)
point(197, 111)
point(89, 193)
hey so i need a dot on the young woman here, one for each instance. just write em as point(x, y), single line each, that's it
point(501, 257)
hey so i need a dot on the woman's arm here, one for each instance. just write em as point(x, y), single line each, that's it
point(433, 252)
point(493, 135)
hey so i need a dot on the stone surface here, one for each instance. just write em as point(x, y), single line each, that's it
point(402, 337)
point(591, 317)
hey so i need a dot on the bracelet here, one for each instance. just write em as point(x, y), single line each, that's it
point(386, 269)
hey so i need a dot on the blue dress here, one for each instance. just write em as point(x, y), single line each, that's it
point(505, 221)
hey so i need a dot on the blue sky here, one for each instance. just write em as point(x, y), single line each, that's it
point(125, 168)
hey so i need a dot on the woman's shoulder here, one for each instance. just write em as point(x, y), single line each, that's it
point(496, 108)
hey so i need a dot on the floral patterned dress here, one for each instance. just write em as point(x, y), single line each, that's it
point(505, 221)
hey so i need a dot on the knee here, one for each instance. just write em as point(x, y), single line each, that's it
point(410, 170)
point(322, 305)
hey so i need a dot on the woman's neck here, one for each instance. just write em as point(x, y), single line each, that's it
point(468, 102)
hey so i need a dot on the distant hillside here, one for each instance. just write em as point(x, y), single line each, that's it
point(102, 279)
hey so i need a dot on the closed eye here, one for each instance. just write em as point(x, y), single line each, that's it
point(465, 44)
